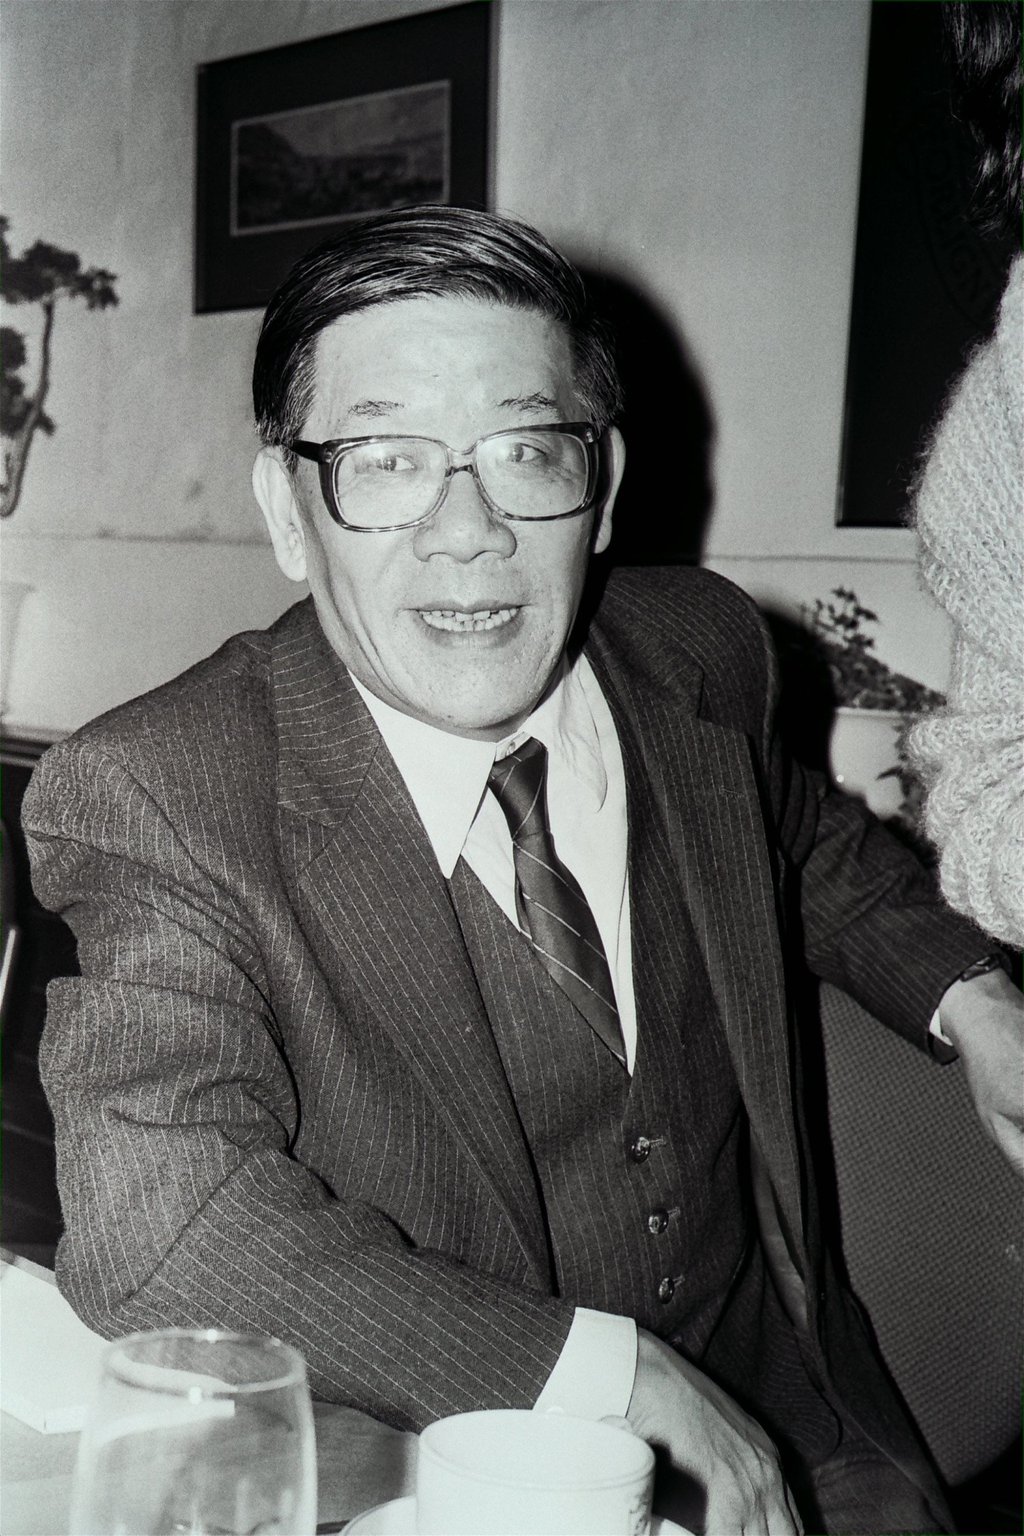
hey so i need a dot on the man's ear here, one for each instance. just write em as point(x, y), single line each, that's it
point(615, 463)
point(272, 487)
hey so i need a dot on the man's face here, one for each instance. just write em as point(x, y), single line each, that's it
point(459, 621)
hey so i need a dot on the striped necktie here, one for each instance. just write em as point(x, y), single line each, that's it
point(552, 910)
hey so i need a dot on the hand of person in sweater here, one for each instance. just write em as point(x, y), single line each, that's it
point(718, 1473)
point(983, 1019)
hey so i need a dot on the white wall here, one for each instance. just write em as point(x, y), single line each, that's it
point(706, 151)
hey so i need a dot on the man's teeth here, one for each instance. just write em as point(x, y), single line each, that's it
point(458, 622)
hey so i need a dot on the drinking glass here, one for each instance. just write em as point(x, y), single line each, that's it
point(197, 1434)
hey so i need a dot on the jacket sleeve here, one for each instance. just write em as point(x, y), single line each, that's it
point(176, 1115)
point(870, 916)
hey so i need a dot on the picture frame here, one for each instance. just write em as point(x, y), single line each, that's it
point(292, 143)
point(927, 277)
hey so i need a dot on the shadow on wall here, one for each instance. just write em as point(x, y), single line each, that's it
point(665, 501)
point(662, 517)
point(807, 693)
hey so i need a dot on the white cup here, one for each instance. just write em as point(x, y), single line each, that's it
point(513, 1472)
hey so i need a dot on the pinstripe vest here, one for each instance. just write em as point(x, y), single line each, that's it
point(639, 1179)
point(643, 1182)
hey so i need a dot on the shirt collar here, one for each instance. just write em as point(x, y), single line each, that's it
point(446, 775)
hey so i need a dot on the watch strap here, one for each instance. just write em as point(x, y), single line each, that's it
point(996, 961)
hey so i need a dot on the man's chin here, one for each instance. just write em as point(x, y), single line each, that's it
point(475, 717)
point(481, 726)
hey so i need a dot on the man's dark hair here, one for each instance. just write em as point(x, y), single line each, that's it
point(984, 45)
point(422, 252)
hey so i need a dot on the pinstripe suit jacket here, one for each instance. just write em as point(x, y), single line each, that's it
point(278, 1102)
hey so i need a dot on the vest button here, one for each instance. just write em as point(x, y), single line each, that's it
point(640, 1149)
point(666, 1289)
point(657, 1221)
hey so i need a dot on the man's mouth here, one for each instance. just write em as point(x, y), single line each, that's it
point(459, 621)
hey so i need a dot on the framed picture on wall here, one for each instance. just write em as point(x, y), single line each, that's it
point(927, 278)
point(292, 143)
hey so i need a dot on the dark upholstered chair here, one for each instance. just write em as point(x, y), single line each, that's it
point(10, 931)
point(933, 1236)
point(36, 947)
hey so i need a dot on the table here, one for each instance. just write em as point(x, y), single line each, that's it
point(359, 1462)
point(35, 1480)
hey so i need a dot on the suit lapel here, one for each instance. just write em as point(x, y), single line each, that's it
point(384, 919)
point(698, 779)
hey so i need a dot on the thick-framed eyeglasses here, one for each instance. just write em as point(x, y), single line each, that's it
point(528, 474)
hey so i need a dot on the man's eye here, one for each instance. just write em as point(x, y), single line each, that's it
point(383, 461)
point(519, 451)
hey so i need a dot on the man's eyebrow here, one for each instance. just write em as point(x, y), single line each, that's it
point(371, 409)
point(536, 402)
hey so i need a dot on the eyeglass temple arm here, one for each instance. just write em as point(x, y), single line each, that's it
point(318, 452)
point(322, 455)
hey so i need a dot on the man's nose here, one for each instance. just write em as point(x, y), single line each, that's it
point(464, 527)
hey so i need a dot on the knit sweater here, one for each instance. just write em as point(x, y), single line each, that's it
point(970, 520)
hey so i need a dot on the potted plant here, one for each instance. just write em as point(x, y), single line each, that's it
point(42, 275)
point(874, 707)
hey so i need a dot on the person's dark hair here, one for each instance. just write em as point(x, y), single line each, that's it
point(983, 41)
point(418, 253)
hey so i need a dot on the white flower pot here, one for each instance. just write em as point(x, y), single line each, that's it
point(12, 596)
point(861, 753)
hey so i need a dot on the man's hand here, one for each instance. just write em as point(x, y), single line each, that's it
point(725, 1476)
point(984, 1021)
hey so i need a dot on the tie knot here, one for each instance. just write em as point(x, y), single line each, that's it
point(518, 781)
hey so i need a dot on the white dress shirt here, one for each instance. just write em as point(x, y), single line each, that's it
point(446, 776)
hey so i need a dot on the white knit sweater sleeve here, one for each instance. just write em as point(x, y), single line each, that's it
point(970, 520)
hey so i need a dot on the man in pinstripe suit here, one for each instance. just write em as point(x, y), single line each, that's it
point(318, 1076)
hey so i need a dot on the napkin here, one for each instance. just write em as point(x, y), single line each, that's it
point(49, 1359)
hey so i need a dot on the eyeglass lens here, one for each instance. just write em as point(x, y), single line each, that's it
point(525, 473)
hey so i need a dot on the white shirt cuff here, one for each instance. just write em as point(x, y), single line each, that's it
point(934, 1028)
point(593, 1376)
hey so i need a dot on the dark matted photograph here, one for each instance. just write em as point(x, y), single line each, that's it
point(927, 280)
point(293, 142)
point(366, 154)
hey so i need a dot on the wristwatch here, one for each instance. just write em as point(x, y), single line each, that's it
point(996, 961)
